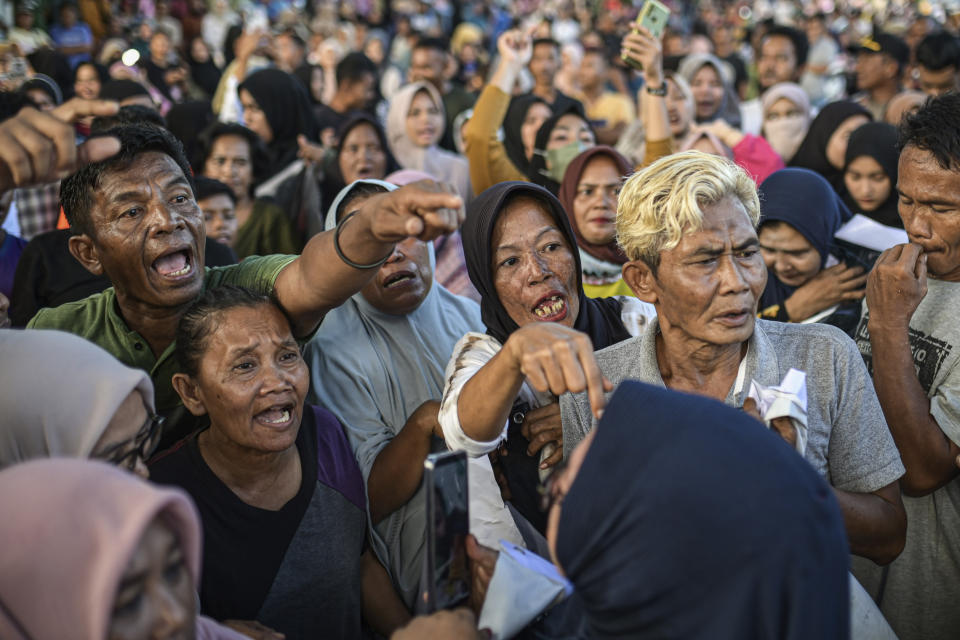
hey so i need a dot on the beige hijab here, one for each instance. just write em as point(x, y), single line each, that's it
point(68, 531)
point(58, 392)
point(442, 165)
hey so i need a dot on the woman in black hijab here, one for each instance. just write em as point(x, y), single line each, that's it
point(560, 139)
point(203, 71)
point(522, 257)
point(277, 108)
point(824, 147)
point(695, 521)
point(870, 173)
point(513, 129)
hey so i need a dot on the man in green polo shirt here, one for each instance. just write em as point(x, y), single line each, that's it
point(135, 219)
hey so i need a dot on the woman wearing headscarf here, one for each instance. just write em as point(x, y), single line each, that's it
point(588, 194)
point(800, 214)
point(377, 363)
point(564, 136)
point(235, 156)
point(824, 148)
point(204, 72)
point(786, 118)
point(870, 173)
point(106, 413)
point(92, 552)
point(711, 80)
point(415, 125)
point(743, 539)
point(276, 108)
point(274, 479)
point(522, 257)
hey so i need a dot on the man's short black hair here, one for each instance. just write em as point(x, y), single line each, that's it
point(436, 44)
point(363, 190)
point(130, 114)
point(801, 46)
point(549, 41)
point(354, 67)
point(122, 89)
point(208, 187)
point(938, 51)
point(935, 128)
point(76, 191)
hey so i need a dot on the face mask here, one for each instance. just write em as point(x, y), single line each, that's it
point(786, 134)
point(560, 158)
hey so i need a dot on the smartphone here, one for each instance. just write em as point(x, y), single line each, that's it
point(653, 16)
point(448, 524)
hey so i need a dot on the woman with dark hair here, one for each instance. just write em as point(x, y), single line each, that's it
point(870, 173)
point(541, 331)
point(88, 78)
point(824, 148)
point(589, 194)
point(560, 139)
point(236, 156)
point(274, 479)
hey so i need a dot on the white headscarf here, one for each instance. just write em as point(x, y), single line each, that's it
point(58, 392)
point(786, 134)
point(442, 165)
point(373, 370)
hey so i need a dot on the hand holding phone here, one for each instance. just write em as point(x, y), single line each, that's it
point(653, 18)
point(448, 577)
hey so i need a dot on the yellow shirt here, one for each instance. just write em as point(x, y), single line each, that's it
point(618, 288)
point(610, 108)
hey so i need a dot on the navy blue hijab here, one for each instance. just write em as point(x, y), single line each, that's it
point(805, 200)
point(690, 519)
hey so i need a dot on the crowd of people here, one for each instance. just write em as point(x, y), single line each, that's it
point(260, 258)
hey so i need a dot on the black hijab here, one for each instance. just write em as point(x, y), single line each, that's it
point(812, 153)
point(879, 141)
point(689, 519)
point(287, 108)
point(205, 75)
point(538, 164)
point(335, 181)
point(599, 317)
point(512, 124)
point(184, 120)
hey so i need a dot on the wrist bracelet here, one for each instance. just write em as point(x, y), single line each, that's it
point(346, 260)
point(660, 91)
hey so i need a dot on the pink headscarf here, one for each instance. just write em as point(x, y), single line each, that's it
point(68, 531)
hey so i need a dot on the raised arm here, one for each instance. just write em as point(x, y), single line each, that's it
point(487, 156)
point(322, 279)
point(653, 108)
point(895, 288)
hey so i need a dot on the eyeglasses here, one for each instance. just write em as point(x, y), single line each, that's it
point(144, 444)
point(549, 490)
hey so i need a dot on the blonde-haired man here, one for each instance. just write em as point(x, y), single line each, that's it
point(688, 226)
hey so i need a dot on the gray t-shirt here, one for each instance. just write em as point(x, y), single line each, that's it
point(848, 441)
point(921, 598)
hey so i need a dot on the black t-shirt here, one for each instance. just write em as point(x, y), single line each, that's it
point(296, 570)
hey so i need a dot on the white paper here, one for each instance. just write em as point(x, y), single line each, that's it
point(523, 585)
point(786, 400)
point(864, 232)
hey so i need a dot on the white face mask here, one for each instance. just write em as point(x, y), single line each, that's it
point(786, 134)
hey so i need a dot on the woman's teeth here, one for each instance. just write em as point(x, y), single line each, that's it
point(393, 283)
point(284, 416)
point(551, 306)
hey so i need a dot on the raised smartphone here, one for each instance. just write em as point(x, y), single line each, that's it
point(653, 16)
point(448, 524)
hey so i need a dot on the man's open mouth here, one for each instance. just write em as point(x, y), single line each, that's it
point(176, 264)
point(398, 279)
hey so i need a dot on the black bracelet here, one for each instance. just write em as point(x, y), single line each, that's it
point(660, 91)
point(346, 260)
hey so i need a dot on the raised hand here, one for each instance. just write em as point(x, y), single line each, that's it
point(515, 47)
point(38, 147)
point(646, 49)
point(558, 359)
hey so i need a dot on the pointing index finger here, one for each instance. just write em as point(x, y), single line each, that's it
point(77, 108)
